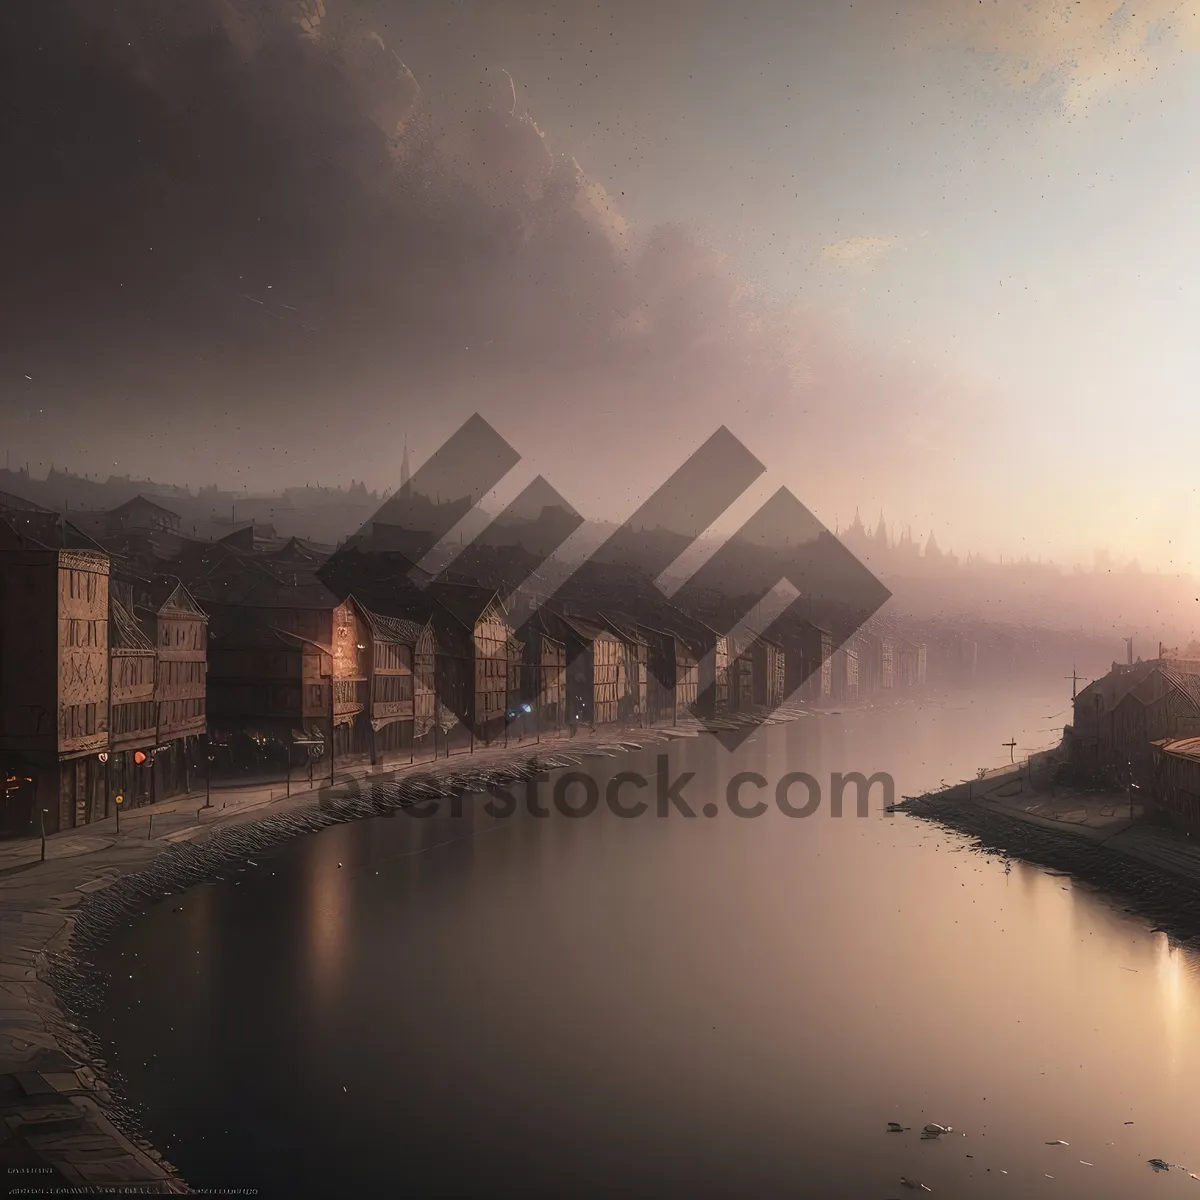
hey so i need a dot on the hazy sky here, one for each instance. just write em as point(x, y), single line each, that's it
point(938, 257)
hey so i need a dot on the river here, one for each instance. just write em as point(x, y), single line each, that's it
point(707, 1007)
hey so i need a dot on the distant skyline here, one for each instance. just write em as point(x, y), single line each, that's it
point(900, 534)
point(940, 259)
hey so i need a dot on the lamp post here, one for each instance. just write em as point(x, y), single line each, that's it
point(332, 725)
point(42, 822)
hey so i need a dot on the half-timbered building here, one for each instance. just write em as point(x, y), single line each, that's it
point(133, 732)
point(1174, 794)
point(54, 673)
point(808, 661)
point(403, 701)
point(596, 665)
point(544, 672)
point(178, 626)
point(845, 674)
point(769, 672)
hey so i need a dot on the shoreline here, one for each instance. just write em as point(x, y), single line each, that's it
point(1148, 871)
point(64, 1120)
point(69, 1122)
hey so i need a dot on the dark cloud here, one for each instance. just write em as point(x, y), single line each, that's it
point(221, 210)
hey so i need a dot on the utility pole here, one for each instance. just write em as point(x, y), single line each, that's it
point(1012, 750)
point(1075, 679)
point(1133, 787)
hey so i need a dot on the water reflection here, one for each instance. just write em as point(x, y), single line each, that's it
point(1172, 985)
point(689, 1006)
point(326, 888)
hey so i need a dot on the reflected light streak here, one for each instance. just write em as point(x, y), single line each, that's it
point(1172, 984)
point(328, 890)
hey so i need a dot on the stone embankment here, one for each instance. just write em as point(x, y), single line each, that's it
point(1098, 839)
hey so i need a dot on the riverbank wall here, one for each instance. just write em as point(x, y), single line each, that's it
point(1149, 871)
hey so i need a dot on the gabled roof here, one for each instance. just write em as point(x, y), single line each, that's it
point(653, 633)
point(140, 502)
point(698, 636)
point(589, 631)
point(394, 630)
point(12, 503)
point(1184, 682)
point(547, 624)
point(167, 594)
point(254, 536)
point(623, 627)
point(466, 603)
point(1125, 682)
point(227, 576)
point(1181, 747)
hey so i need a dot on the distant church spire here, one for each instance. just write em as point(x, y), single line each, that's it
point(404, 469)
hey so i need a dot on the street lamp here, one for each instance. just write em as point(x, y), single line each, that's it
point(1133, 787)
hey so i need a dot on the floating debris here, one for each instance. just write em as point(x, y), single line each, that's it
point(896, 1127)
point(914, 1186)
point(1059, 1142)
point(1160, 1164)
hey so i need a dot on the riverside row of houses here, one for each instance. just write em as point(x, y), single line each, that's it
point(102, 678)
point(1139, 725)
point(135, 663)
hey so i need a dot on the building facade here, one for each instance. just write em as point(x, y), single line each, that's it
point(54, 674)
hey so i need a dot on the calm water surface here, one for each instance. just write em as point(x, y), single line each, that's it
point(696, 1008)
